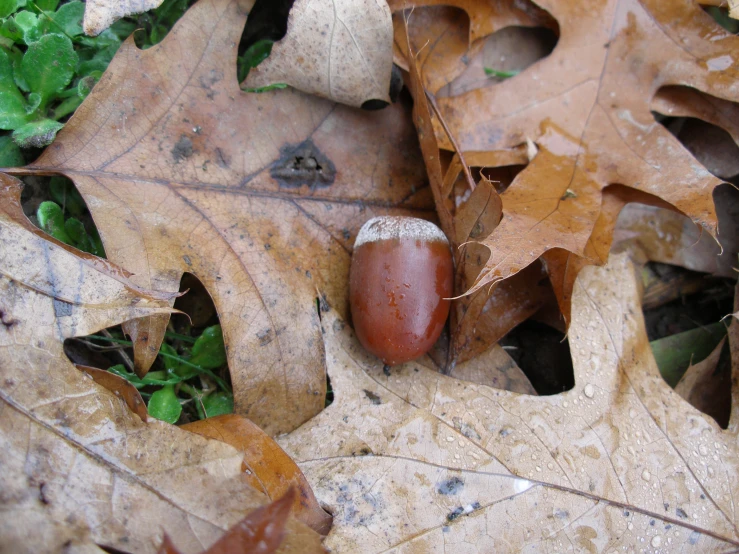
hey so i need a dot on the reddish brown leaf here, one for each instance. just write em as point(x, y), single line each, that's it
point(267, 466)
point(587, 108)
point(260, 532)
point(118, 386)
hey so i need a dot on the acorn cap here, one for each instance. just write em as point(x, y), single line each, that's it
point(386, 227)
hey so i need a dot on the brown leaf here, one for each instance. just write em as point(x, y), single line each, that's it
point(101, 14)
point(446, 35)
point(339, 50)
point(257, 195)
point(118, 386)
point(260, 532)
point(268, 468)
point(733, 335)
point(587, 108)
point(706, 388)
point(79, 467)
point(416, 459)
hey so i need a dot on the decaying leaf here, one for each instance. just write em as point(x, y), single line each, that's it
point(706, 388)
point(257, 195)
point(260, 532)
point(417, 461)
point(101, 14)
point(268, 468)
point(668, 237)
point(79, 468)
point(339, 50)
point(118, 386)
point(587, 108)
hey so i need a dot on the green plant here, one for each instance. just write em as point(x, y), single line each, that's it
point(47, 68)
point(61, 218)
point(490, 72)
point(186, 375)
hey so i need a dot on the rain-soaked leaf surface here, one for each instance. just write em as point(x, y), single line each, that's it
point(260, 532)
point(260, 195)
point(417, 461)
point(79, 467)
point(267, 467)
point(257, 195)
point(587, 108)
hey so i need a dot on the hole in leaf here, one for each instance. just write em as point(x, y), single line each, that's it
point(682, 312)
point(266, 24)
point(189, 379)
point(501, 177)
point(711, 145)
point(720, 15)
point(329, 392)
point(55, 205)
point(504, 55)
point(154, 25)
point(543, 354)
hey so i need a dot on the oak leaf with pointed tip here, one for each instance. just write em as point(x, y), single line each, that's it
point(587, 107)
point(79, 467)
point(184, 172)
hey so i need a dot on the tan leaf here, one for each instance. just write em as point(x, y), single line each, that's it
point(337, 50)
point(101, 14)
point(79, 467)
point(184, 172)
point(417, 461)
point(268, 468)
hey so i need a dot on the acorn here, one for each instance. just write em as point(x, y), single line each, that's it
point(401, 276)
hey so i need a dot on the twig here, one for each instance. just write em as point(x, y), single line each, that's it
point(122, 353)
point(437, 111)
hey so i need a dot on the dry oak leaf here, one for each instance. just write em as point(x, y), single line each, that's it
point(101, 14)
point(258, 195)
point(587, 108)
point(337, 49)
point(267, 467)
point(420, 462)
point(260, 532)
point(79, 468)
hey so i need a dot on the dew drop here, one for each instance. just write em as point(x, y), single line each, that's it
point(656, 541)
point(589, 390)
point(646, 475)
point(703, 450)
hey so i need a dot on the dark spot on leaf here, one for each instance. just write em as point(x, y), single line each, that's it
point(213, 76)
point(222, 159)
point(7, 320)
point(42, 494)
point(183, 149)
point(451, 486)
point(303, 164)
point(372, 396)
point(265, 337)
point(681, 513)
point(62, 308)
